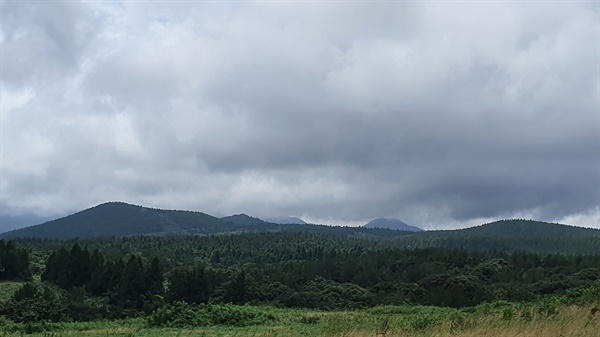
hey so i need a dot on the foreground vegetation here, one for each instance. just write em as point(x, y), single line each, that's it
point(498, 319)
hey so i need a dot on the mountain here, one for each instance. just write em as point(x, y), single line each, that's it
point(521, 229)
point(121, 219)
point(287, 220)
point(394, 224)
point(243, 219)
point(118, 219)
point(512, 236)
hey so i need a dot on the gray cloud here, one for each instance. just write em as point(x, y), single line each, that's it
point(441, 114)
point(43, 42)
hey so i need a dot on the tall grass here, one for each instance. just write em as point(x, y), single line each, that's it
point(499, 319)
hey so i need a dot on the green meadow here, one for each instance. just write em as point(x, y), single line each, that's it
point(496, 319)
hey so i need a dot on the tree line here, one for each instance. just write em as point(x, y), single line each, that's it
point(134, 276)
point(14, 262)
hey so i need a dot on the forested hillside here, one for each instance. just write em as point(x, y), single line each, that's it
point(121, 219)
point(124, 220)
point(117, 219)
point(391, 224)
point(517, 229)
point(513, 236)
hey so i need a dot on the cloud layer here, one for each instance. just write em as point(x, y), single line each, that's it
point(440, 114)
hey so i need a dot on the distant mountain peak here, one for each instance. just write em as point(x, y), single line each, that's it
point(243, 219)
point(121, 219)
point(286, 220)
point(391, 223)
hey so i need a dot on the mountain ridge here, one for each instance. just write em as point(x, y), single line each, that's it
point(391, 223)
point(521, 228)
point(243, 219)
point(286, 220)
point(118, 219)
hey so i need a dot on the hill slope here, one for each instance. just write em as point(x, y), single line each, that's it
point(394, 224)
point(121, 219)
point(517, 229)
point(513, 236)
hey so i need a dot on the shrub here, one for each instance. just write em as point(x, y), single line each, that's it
point(309, 319)
point(458, 321)
point(508, 313)
point(420, 322)
point(181, 314)
point(233, 315)
point(496, 307)
point(549, 307)
point(7, 326)
point(526, 315)
point(330, 295)
point(591, 294)
point(35, 303)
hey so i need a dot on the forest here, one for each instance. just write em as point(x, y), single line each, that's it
point(158, 277)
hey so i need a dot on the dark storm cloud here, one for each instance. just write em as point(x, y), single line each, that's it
point(441, 114)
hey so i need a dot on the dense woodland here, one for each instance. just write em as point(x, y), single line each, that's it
point(123, 277)
point(14, 262)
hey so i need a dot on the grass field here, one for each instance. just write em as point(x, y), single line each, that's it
point(401, 321)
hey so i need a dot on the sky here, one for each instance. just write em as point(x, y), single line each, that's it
point(442, 114)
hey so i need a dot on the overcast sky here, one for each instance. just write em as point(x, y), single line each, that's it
point(441, 114)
